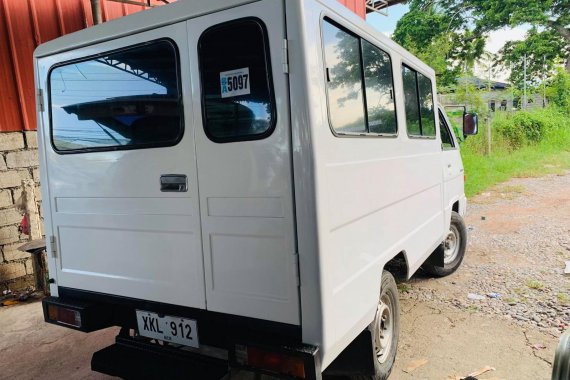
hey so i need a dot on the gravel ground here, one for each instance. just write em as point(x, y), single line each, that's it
point(519, 240)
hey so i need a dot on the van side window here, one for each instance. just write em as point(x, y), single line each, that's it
point(122, 100)
point(379, 87)
point(426, 105)
point(237, 89)
point(344, 76)
point(445, 133)
point(419, 104)
point(360, 87)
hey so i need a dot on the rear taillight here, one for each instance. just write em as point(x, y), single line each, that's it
point(63, 315)
point(271, 361)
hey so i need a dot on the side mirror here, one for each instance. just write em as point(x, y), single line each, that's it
point(470, 124)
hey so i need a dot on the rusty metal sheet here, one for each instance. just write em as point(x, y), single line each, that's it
point(10, 117)
point(357, 6)
point(70, 16)
point(21, 42)
point(24, 24)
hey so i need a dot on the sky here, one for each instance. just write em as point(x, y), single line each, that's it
point(495, 41)
point(387, 24)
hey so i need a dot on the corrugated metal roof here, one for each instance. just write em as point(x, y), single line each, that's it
point(24, 24)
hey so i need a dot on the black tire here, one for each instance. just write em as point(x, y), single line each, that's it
point(452, 260)
point(388, 297)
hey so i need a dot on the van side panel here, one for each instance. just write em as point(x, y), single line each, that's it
point(374, 196)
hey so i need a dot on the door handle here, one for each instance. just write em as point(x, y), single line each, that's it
point(174, 183)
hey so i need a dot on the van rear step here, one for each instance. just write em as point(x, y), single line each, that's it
point(131, 359)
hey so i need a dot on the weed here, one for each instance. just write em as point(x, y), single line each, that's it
point(404, 288)
point(563, 298)
point(472, 308)
point(534, 284)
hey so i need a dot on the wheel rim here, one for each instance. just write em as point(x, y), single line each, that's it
point(451, 245)
point(384, 326)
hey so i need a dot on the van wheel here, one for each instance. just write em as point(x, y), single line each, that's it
point(452, 248)
point(385, 329)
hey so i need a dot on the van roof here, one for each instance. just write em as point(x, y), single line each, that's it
point(186, 9)
point(137, 22)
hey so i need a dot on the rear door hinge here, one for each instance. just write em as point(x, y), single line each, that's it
point(53, 246)
point(40, 99)
point(285, 56)
point(297, 270)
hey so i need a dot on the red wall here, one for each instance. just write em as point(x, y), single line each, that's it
point(357, 6)
point(24, 24)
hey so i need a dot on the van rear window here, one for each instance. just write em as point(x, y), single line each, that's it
point(237, 89)
point(120, 100)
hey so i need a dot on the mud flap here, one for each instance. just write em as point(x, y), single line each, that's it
point(356, 359)
point(437, 257)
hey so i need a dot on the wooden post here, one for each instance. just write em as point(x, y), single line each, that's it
point(34, 224)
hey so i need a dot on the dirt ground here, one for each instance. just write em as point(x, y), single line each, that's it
point(519, 238)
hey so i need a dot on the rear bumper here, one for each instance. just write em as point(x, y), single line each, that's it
point(217, 330)
point(129, 359)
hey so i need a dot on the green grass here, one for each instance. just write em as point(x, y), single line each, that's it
point(534, 284)
point(549, 156)
point(563, 298)
point(404, 288)
point(472, 309)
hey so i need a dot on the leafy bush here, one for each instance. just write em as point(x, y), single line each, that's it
point(529, 127)
point(559, 90)
point(549, 155)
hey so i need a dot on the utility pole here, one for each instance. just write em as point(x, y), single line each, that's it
point(543, 81)
point(524, 84)
point(489, 108)
point(512, 90)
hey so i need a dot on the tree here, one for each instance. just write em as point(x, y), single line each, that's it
point(558, 90)
point(551, 18)
point(439, 38)
point(542, 49)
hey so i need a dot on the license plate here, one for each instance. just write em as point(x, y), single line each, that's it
point(168, 328)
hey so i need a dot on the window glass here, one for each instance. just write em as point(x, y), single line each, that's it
point(344, 77)
point(236, 82)
point(379, 89)
point(121, 100)
point(444, 131)
point(426, 106)
point(411, 102)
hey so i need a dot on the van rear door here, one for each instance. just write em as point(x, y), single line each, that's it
point(121, 168)
point(243, 147)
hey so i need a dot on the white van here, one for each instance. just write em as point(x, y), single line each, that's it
point(236, 183)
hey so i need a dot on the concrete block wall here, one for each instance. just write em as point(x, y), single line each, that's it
point(18, 161)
